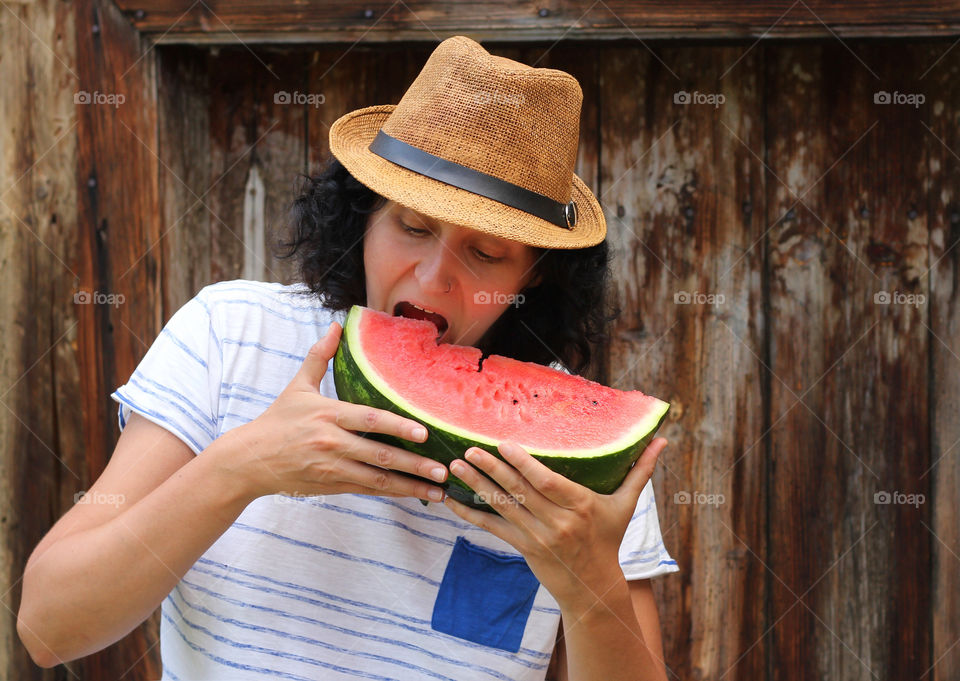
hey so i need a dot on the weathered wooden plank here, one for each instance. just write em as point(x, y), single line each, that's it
point(678, 182)
point(941, 79)
point(255, 137)
point(40, 425)
point(184, 138)
point(120, 253)
point(849, 372)
point(323, 20)
point(340, 74)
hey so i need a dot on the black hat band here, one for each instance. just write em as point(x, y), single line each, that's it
point(427, 164)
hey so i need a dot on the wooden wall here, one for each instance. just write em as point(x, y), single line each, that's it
point(80, 249)
point(796, 397)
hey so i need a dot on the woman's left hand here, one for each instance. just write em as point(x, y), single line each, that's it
point(569, 534)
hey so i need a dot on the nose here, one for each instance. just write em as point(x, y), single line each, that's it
point(436, 269)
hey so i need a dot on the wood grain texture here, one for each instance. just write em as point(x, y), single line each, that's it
point(797, 396)
point(675, 179)
point(849, 386)
point(941, 78)
point(324, 20)
point(250, 129)
point(119, 253)
point(185, 172)
point(41, 427)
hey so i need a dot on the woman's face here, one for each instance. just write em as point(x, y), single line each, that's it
point(410, 259)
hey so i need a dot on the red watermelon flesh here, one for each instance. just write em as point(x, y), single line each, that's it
point(499, 399)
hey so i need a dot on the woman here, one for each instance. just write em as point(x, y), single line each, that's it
point(282, 544)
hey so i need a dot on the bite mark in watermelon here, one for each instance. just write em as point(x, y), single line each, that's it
point(585, 431)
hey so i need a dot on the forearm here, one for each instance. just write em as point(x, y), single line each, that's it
point(604, 640)
point(93, 587)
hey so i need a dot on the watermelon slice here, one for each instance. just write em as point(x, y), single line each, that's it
point(585, 431)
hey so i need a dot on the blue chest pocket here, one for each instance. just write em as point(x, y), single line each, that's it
point(485, 597)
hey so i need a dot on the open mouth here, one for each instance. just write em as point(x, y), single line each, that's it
point(411, 311)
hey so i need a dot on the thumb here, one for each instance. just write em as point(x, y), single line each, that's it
point(638, 476)
point(314, 365)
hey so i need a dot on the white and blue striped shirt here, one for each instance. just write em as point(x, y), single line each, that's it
point(340, 587)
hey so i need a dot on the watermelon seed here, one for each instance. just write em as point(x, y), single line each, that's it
point(594, 401)
point(515, 401)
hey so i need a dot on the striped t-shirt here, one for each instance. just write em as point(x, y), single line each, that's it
point(345, 586)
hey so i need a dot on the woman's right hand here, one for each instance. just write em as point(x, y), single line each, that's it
point(304, 444)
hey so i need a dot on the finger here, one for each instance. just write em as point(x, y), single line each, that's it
point(486, 521)
point(314, 365)
point(367, 491)
point(510, 479)
point(383, 455)
point(378, 480)
point(362, 419)
point(638, 476)
point(550, 484)
point(492, 494)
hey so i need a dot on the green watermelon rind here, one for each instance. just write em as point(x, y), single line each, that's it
point(357, 382)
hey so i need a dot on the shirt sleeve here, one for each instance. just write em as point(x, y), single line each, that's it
point(177, 383)
point(642, 552)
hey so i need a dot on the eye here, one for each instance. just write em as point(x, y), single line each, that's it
point(484, 257)
point(412, 230)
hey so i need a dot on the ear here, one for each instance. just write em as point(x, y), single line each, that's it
point(534, 281)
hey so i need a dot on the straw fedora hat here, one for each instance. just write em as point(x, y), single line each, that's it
point(482, 142)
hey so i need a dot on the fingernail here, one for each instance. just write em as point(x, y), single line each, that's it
point(420, 433)
point(457, 468)
point(438, 474)
point(435, 494)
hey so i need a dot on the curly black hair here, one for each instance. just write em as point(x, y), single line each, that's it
point(563, 317)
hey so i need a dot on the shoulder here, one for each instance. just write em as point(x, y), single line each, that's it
point(245, 290)
point(242, 303)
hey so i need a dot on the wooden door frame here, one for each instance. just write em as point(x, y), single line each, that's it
point(120, 225)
